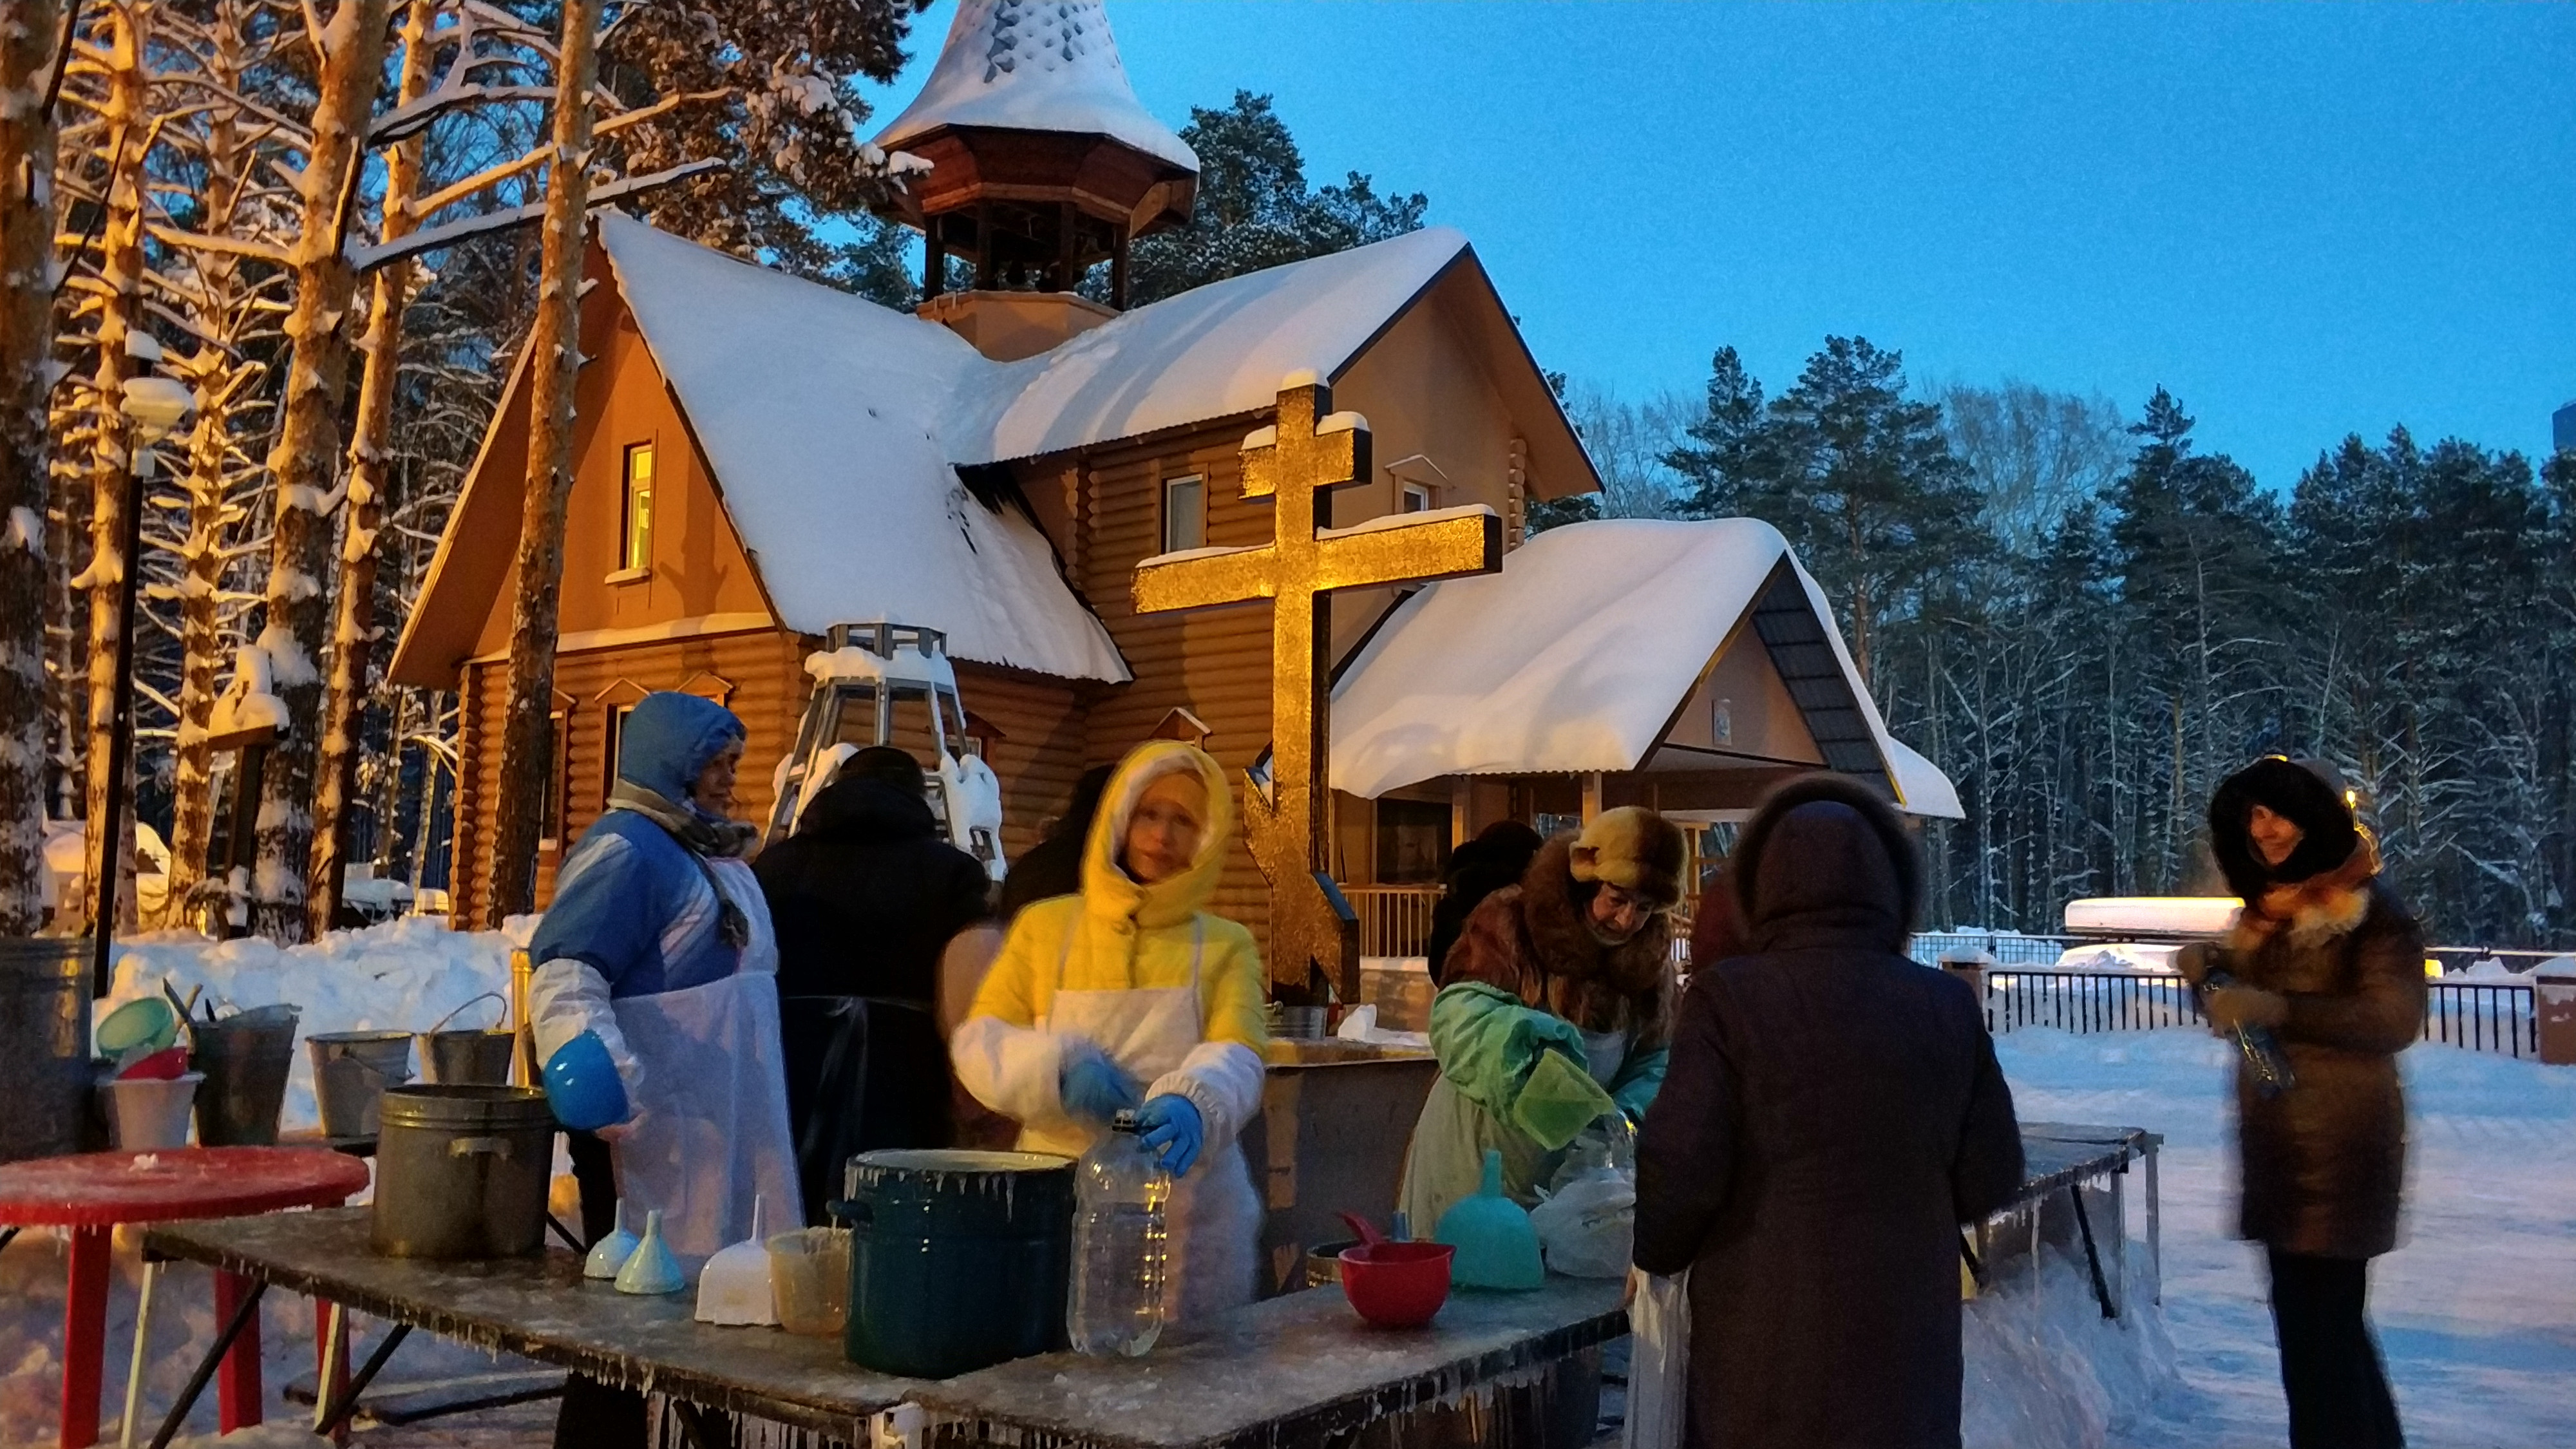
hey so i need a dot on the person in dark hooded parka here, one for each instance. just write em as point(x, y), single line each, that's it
point(866, 896)
point(2327, 958)
point(1831, 1114)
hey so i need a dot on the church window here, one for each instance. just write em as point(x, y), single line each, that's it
point(635, 548)
point(1184, 513)
point(1416, 499)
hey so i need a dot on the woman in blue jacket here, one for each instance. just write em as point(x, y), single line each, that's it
point(657, 947)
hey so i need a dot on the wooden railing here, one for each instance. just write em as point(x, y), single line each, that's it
point(1394, 920)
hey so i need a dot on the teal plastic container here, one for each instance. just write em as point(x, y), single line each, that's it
point(958, 1260)
point(1497, 1246)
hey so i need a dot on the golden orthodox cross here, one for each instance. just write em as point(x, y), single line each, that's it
point(1309, 450)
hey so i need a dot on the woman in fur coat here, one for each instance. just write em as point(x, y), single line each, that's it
point(1556, 1011)
point(2327, 958)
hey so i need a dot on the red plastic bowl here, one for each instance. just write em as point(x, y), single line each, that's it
point(166, 1065)
point(1397, 1285)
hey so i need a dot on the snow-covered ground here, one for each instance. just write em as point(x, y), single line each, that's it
point(2476, 1312)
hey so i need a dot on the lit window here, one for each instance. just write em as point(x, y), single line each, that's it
point(1184, 514)
point(1416, 499)
point(635, 550)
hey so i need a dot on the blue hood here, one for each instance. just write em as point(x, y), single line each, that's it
point(668, 739)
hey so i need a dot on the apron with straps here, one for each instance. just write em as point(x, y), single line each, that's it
point(1214, 1218)
point(710, 1130)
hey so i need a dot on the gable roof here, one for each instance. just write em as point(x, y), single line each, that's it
point(1035, 65)
point(1575, 657)
point(835, 427)
point(820, 416)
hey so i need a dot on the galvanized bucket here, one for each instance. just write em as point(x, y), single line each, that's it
point(246, 1059)
point(351, 1070)
point(467, 1058)
point(44, 1045)
point(461, 1172)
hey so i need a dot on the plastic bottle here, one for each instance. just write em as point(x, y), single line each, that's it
point(2262, 1050)
point(1119, 1245)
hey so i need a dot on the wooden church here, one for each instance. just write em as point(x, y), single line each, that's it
point(761, 458)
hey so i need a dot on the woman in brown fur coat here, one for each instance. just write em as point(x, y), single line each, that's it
point(1555, 1010)
point(2327, 958)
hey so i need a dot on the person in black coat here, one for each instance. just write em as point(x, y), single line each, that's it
point(1053, 866)
point(1832, 1113)
point(2327, 959)
point(864, 897)
point(1499, 856)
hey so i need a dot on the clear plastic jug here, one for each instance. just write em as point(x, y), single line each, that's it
point(1119, 1245)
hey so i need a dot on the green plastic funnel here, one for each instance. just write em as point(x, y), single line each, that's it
point(1497, 1247)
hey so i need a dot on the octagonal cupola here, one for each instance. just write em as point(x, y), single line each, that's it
point(1042, 161)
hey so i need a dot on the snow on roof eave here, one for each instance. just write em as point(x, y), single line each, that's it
point(1212, 352)
point(995, 588)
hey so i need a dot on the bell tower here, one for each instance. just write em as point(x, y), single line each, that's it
point(1042, 164)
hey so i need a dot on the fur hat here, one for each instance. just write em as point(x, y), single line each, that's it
point(1635, 849)
point(2302, 793)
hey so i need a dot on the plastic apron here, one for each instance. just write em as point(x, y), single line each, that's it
point(1213, 1216)
point(710, 1129)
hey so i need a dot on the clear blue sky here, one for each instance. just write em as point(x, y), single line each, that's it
point(2306, 220)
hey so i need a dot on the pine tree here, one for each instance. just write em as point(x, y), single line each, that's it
point(1254, 208)
point(1731, 453)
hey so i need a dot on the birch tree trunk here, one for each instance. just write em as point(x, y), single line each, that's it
point(109, 844)
point(554, 362)
point(307, 452)
point(29, 37)
point(353, 630)
point(226, 309)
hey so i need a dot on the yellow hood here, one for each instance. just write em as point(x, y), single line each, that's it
point(1107, 890)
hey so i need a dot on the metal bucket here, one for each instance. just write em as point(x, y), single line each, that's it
point(44, 1045)
point(461, 1172)
point(351, 1070)
point(246, 1059)
point(467, 1058)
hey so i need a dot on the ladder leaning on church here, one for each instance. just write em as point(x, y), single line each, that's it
point(865, 676)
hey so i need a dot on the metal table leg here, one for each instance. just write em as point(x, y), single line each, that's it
point(245, 1311)
point(2092, 1252)
point(2155, 1229)
point(330, 1420)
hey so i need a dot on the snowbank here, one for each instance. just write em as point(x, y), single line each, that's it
point(400, 976)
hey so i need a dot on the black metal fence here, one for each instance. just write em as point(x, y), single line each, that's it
point(2485, 1016)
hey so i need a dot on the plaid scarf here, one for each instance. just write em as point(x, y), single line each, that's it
point(705, 836)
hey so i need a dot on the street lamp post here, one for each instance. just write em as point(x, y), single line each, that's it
point(152, 405)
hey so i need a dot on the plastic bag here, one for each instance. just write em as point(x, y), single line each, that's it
point(1588, 1227)
point(1658, 1364)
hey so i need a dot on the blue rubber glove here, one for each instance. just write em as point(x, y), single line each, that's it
point(583, 1087)
point(1094, 1089)
point(1171, 1125)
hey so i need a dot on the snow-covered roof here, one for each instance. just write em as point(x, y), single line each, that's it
point(2153, 915)
point(819, 413)
point(1035, 65)
point(1574, 658)
point(1212, 351)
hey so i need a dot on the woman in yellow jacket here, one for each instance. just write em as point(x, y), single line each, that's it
point(1132, 996)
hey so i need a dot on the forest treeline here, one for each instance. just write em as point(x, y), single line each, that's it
point(2089, 619)
point(341, 225)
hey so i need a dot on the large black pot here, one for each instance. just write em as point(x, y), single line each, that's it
point(958, 1260)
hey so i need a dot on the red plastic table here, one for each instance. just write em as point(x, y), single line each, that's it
point(93, 1192)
